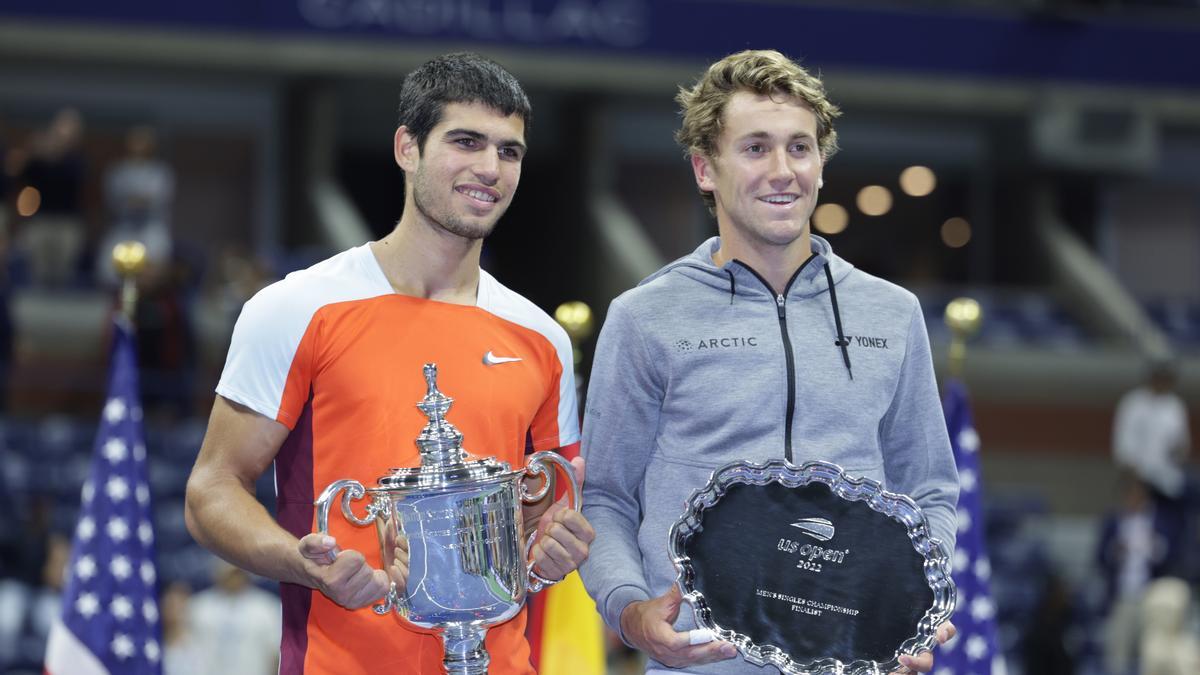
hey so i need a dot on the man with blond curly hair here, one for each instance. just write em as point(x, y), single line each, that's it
point(761, 344)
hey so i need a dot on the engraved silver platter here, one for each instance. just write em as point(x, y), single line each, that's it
point(811, 570)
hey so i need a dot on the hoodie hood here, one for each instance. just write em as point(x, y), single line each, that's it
point(740, 280)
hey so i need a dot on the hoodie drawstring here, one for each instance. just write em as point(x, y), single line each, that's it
point(842, 341)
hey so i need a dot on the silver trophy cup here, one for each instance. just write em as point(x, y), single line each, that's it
point(468, 569)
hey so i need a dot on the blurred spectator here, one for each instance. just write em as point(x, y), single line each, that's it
point(181, 655)
point(11, 164)
point(24, 555)
point(53, 235)
point(167, 348)
point(1138, 543)
point(8, 168)
point(27, 609)
point(1150, 432)
point(242, 275)
point(1046, 650)
point(47, 598)
point(139, 190)
point(1168, 643)
point(7, 332)
point(235, 625)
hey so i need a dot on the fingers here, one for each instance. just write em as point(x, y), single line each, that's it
point(347, 580)
point(921, 663)
point(674, 648)
point(547, 516)
point(578, 464)
point(709, 653)
point(364, 586)
point(545, 564)
point(376, 589)
point(576, 524)
point(671, 600)
point(649, 626)
point(556, 559)
point(400, 553)
point(319, 548)
point(563, 545)
point(398, 570)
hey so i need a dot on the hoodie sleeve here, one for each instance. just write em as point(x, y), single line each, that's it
point(918, 460)
point(624, 399)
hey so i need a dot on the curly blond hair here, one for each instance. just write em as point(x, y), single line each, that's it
point(764, 71)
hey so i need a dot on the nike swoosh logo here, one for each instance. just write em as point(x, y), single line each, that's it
point(490, 359)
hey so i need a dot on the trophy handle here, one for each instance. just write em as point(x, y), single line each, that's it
point(354, 490)
point(540, 465)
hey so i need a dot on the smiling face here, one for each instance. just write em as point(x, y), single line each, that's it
point(766, 170)
point(464, 178)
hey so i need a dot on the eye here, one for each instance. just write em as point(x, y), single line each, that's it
point(467, 142)
point(754, 148)
point(800, 147)
point(510, 152)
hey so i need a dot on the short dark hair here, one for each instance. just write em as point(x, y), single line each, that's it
point(462, 77)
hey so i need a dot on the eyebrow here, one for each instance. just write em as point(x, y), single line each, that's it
point(764, 135)
point(508, 143)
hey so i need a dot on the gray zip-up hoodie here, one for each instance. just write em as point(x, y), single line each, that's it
point(701, 365)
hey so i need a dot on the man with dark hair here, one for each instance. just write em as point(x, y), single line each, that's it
point(324, 372)
point(458, 78)
point(742, 351)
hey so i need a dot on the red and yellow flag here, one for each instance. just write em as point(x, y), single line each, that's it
point(566, 634)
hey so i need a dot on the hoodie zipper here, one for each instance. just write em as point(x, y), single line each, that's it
point(791, 377)
point(789, 356)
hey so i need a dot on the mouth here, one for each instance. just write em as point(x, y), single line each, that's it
point(783, 199)
point(483, 196)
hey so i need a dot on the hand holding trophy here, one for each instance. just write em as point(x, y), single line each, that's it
point(450, 535)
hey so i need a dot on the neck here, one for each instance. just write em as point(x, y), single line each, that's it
point(421, 259)
point(774, 262)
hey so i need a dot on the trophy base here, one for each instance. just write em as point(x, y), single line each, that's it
point(464, 650)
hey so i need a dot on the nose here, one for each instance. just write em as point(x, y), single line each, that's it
point(780, 171)
point(487, 169)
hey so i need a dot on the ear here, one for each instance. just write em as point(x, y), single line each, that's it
point(704, 169)
point(820, 182)
point(406, 149)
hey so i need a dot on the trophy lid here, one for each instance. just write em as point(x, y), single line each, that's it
point(444, 462)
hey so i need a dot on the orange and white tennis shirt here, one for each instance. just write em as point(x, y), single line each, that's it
point(336, 355)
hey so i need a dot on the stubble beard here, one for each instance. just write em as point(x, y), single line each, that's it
point(443, 219)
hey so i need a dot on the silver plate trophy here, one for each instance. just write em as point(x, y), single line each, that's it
point(811, 571)
point(468, 570)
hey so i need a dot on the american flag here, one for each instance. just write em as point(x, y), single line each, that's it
point(109, 622)
point(975, 651)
